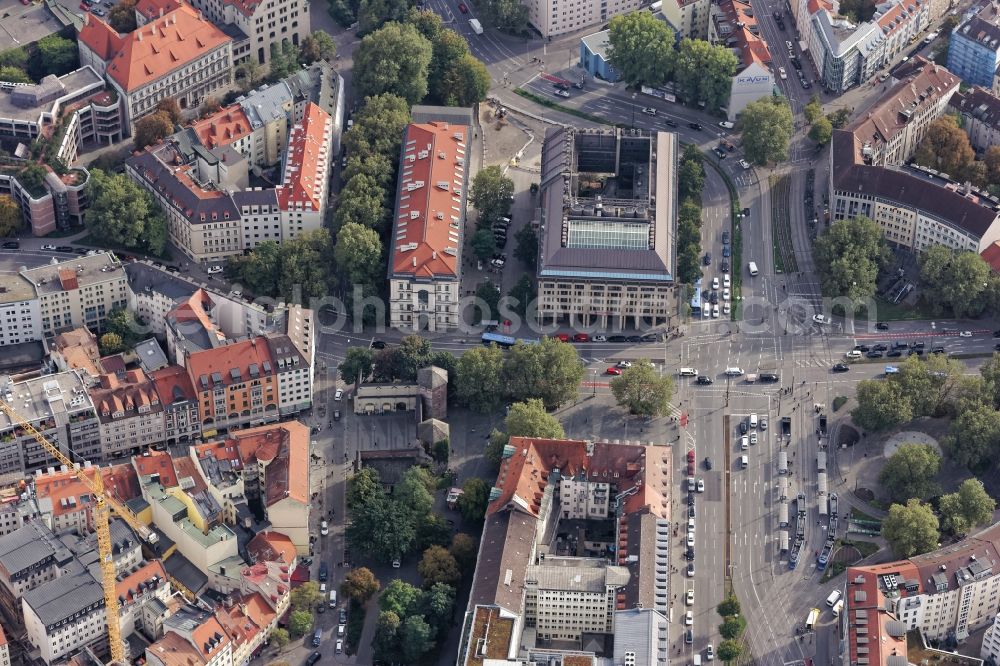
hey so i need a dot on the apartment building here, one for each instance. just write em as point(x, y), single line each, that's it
point(237, 385)
point(974, 47)
point(735, 26)
point(78, 292)
point(426, 253)
point(294, 374)
point(266, 24)
point(63, 616)
point(248, 623)
point(552, 17)
point(59, 407)
point(48, 201)
point(527, 587)
point(20, 311)
point(689, 18)
point(66, 504)
point(29, 557)
point(4, 649)
point(140, 586)
point(17, 507)
point(586, 240)
point(181, 55)
point(179, 402)
point(304, 190)
point(948, 593)
point(990, 650)
point(130, 412)
point(980, 111)
point(192, 637)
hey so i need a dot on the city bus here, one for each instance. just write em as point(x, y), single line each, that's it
point(696, 299)
point(501, 341)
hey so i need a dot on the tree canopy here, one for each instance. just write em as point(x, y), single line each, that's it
point(300, 266)
point(549, 370)
point(946, 147)
point(506, 15)
point(122, 213)
point(704, 72)
point(393, 59)
point(954, 281)
point(642, 391)
point(491, 194)
point(974, 436)
point(967, 508)
point(360, 584)
point(881, 405)
point(479, 378)
point(439, 566)
point(767, 130)
point(475, 497)
point(910, 529)
point(10, 216)
point(849, 256)
point(642, 48)
point(150, 129)
point(910, 471)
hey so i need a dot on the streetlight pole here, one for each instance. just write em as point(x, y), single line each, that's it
point(633, 110)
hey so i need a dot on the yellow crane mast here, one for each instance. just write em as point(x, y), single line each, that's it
point(103, 504)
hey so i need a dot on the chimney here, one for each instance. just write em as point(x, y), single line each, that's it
point(414, 262)
point(161, 12)
point(138, 34)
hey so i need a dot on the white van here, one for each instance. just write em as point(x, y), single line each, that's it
point(753, 268)
point(696, 660)
point(753, 420)
point(333, 598)
point(744, 462)
point(322, 588)
point(726, 282)
point(687, 372)
point(734, 372)
point(854, 353)
point(838, 608)
point(833, 598)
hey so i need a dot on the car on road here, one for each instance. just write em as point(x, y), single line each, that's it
point(726, 251)
point(725, 238)
point(617, 338)
point(841, 367)
point(688, 634)
point(724, 266)
point(763, 423)
point(744, 427)
point(343, 616)
point(996, 347)
point(821, 319)
point(726, 124)
point(725, 294)
point(703, 380)
point(715, 283)
point(634, 338)
point(710, 652)
point(396, 563)
point(324, 528)
point(562, 93)
point(916, 352)
point(691, 511)
point(64, 248)
point(313, 658)
point(695, 126)
point(600, 338)
point(782, 73)
point(336, 415)
point(788, 45)
point(937, 350)
point(996, 333)
point(581, 337)
point(613, 371)
point(965, 334)
point(689, 618)
point(707, 462)
point(707, 259)
point(881, 326)
point(212, 270)
point(690, 538)
point(562, 337)
point(914, 345)
point(744, 442)
point(340, 647)
point(744, 164)
point(649, 111)
point(862, 348)
point(338, 395)
point(720, 151)
point(174, 269)
point(874, 354)
point(690, 570)
point(48, 247)
point(701, 485)
point(669, 123)
point(880, 347)
point(462, 8)
point(753, 437)
point(623, 364)
point(82, 251)
point(894, 353)
point(11, 245)
point(689, 598)
point(378, 344)
point(805, 84)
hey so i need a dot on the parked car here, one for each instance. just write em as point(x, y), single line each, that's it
point(213, 270)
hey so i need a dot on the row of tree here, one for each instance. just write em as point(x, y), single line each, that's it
point(643, 50)
point(732, 627)
point(913, 528)
point(122, 214)
point(295, 270)
point(52, 54)
point(690, 181)
point(946, 147)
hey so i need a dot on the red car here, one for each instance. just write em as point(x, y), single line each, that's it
point(462, 8)
point(612, 371)
point(581, 337)
point(562, 337)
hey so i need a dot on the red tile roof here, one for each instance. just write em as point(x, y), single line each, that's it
point(307, 161)
point(128, 587)
point(187, 469)
point(3, 637)
point(427, 230)
point(156, 8)
point(154, 50)
point(223, 127)
point(173, 385)
point(128, 398)
point(750, 47)
point(222, 361)
point(64, 490)
point(284, 448)
point(157, 462)
point(991, 255)
point(270, 546)
point(258, 610)
point(209, 638)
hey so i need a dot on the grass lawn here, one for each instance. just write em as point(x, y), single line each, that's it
point(559, 107)
point(896, 312)
point(861, 515)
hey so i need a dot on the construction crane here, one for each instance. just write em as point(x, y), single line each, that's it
point(103, 504)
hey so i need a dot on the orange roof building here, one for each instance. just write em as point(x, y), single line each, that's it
point(130, 413)
point(426, 253)
point(67, 504)
point(737, 27)
point(178, 54)
point(179, 402)
point(304, 188)
point(246, 374)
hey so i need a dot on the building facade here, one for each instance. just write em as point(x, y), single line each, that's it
point(266, 24)
point(974, 47)
point(48, 201)
point(735, 26)
point(180, 405)
point(552, 17)
point(20, 311)
point(426, 254)
point(689, 18)
point(130, 412)
point(980, 111)
point(66, 615)
point(586, 240)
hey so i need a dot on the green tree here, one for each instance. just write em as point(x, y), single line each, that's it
point(522, 296)
point(974, 437)
point(506, 15)
point(688, 264)
point(386, 642)
point(358, 362)
point(361, 202)
point(383, 529)
point(840, 118)
point(299, 623)
point(821, 131)
point(529, 419)
point(249, 73)
point(169, 106)
point(642, 390)
point(730, 650)
point(373, 14)
point(150, 129)
point(13, 74)
point(10, 216)
point(378, 128)
point(849, 256)
point(955, 281)
point(990, 371)
point(279, 636)
point(881, 405)
point(493, 453)
point(417, 638)
point(642, 48)
point(729, 606)
point(930, 384)
point(360, 584)
point(54, 54)
point(358, 252)
point(317, 46)
point(945, 147)
point(705, 72)
point(393, 59)
point(911, 529)
point(284, 60)
point(438, 566)
point(122, 213)
point(121, 17)
point(305, 596)
point(122, 323)
point(813, 110)
point(549, 370)
point(413, 493)
point(363, 488)
point(970, 506)
point(767, 130)
point(209, 106)
point(691, 176)
point(15, 57)
point(463, 548)
point(479, 378)
point(305, 266)
point(432, 531)
point(401, 598)
point(910, 472)
point(491, 193)
point(488, 300)
point(439, 605)
point(484, 245)
point(473, 502)
point(111, 343)
point(991, 158)
point(526, 249)
point(732, 627)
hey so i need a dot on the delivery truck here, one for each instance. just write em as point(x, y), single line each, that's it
point(477, 27)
